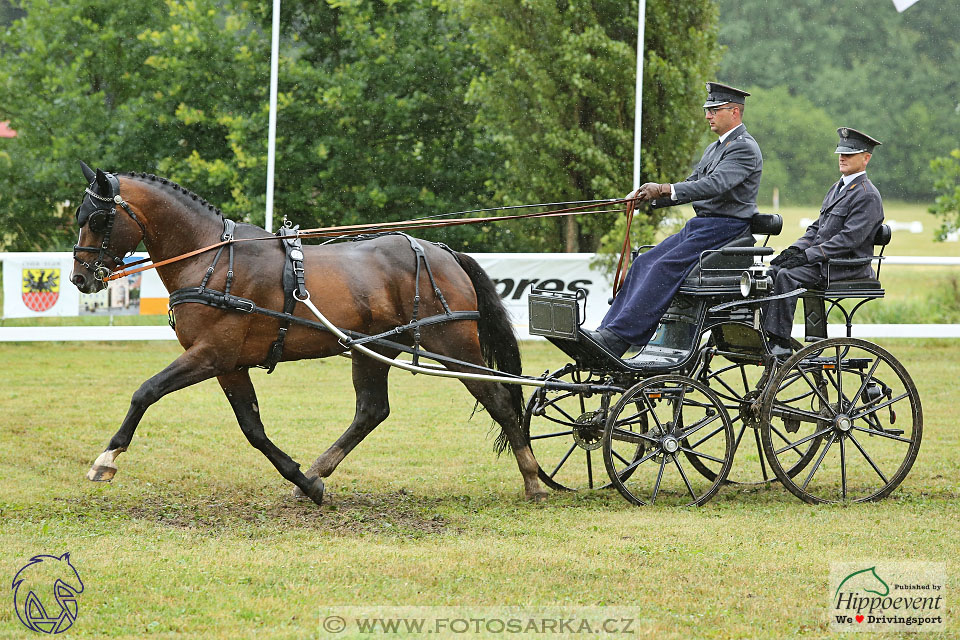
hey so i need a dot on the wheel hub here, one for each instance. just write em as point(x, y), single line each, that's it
point(588, 430)
point(670, 444)
point(843, 423)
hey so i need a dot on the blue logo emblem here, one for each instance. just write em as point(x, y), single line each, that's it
point(45, 594)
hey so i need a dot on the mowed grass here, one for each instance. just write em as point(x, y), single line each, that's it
point(197, 536)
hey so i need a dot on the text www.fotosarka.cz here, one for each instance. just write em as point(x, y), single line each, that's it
point(480, 622)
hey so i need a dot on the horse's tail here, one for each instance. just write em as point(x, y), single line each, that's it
point(498, 341)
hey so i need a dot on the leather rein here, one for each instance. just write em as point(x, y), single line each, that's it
point(350, 230)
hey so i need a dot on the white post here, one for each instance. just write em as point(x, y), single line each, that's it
point(641, 19)
point(272, 134)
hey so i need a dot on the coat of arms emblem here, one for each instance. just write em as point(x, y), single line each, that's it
point(41, 288)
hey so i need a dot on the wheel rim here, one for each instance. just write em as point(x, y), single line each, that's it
point(651, 433)
point(856, 406)
point(566, 431)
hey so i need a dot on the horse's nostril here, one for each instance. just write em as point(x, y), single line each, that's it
point(77, 280)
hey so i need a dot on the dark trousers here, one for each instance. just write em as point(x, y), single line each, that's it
point(655, 276)
point(778, 314)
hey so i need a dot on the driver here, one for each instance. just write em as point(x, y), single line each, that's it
point(723, 190)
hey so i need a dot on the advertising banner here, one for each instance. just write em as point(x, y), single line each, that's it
point(515, 274)
point(38, 284)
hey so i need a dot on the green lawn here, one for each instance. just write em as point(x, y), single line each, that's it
point(197, 536)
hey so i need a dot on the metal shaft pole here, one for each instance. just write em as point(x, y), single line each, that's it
point(641, 19)
point(272, 134)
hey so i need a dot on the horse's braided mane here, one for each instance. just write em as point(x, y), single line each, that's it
point(176, 187)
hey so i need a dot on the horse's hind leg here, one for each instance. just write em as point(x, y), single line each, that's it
point(189, 368)
point(499, 404)
point(243, 398)
point(373, 407)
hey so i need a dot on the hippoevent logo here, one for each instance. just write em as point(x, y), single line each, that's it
point(887, 596)
point(45, 594)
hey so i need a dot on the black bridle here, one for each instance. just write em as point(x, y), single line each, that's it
point(99, 213)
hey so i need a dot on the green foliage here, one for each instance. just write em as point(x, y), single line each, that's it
point(374, 121)
point(797, 140)
point(866, 66)
point(946, 180)
point(123, 86)
point(557, 99)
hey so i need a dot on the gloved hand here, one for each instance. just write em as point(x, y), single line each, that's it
point(653, 190)
point(784, 255)
point(796, 260)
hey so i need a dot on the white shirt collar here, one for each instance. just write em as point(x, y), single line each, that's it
point(724, 137)
point(848, 179)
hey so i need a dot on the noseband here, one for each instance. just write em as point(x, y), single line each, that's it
point(102, 217)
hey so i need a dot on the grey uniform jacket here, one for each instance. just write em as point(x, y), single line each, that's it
point(846, 228)
point(726, 180)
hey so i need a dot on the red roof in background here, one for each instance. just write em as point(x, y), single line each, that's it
point(6, 131)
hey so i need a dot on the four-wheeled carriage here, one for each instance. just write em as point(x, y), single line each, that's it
point(706, 402)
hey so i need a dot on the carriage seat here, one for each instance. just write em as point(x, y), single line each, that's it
point(719, 270)
point(851, 287)
point(816, 312)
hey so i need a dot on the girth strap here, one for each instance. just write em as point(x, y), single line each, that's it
point(294, 287)
point(227, 302)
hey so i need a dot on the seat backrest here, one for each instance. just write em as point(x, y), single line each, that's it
point(884, 234)
point(766, 224)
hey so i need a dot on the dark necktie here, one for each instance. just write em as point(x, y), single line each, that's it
point(839, 190)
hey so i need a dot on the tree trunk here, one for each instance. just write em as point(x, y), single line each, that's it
point(571, 240)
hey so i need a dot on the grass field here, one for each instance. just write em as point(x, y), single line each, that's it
point(197, 536)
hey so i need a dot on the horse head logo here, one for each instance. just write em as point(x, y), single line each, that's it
point(45, 593)
point(865, 580)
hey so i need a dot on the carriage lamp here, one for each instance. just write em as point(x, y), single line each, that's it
point(755, 281)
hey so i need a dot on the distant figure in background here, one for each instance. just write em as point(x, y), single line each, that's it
point(851, 213)
point(723, 189)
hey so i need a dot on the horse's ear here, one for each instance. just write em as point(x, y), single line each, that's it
point(87, 172)
point(103, 185)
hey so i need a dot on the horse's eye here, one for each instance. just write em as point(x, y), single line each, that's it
point(97, 222)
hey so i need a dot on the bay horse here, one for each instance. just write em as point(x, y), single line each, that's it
point(365, 286)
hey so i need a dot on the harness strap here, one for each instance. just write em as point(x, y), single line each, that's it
point(294, 287)
point(220, 300)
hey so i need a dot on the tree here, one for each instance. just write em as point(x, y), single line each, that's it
point(557, 99)
point(865, 65)
point(797, 140)
point(373, 124)
point(124, 86)
point(946, 181)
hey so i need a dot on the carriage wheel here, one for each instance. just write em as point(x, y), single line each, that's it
point(652, 431)
point(861, 408)
point(737, 384)
point(566, 431)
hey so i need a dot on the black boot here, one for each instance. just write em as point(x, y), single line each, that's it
point(609, 341)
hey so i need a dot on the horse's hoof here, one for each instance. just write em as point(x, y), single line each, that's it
point(540, 496)
point(101, 473)
point(314, 491)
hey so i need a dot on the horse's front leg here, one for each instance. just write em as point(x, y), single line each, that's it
point(190, 368)
point(243, 398)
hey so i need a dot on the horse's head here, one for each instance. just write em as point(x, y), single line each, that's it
point(105, 237)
